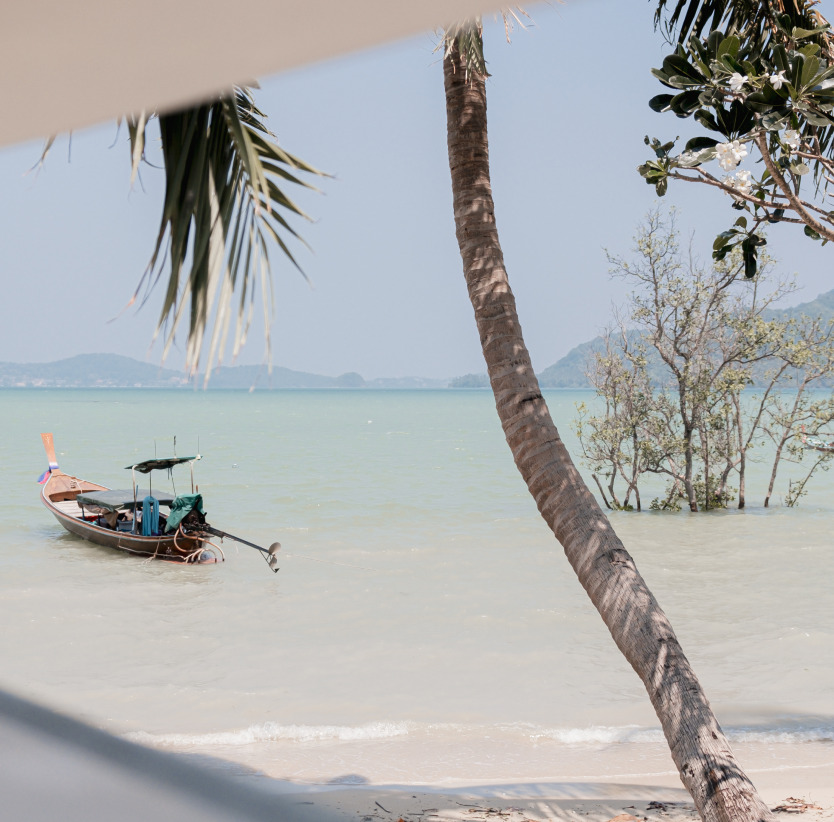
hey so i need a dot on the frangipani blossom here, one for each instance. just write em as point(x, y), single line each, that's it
point(730, 154)
point(741, 181)
point(743, 184)
point(777, 79)
point(737, 81)
point(792, 139)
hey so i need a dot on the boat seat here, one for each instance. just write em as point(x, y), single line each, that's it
point(69, 507)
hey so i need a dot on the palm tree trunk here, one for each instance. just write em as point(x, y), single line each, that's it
point(641, 630)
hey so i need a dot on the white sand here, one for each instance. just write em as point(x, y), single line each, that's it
point(601, 801)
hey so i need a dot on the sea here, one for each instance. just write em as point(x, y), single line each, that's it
point(424, 627)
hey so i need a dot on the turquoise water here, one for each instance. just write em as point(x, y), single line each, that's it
point(424, 623)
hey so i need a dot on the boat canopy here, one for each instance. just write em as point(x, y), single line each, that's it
point(158, 464)
point(116, 500)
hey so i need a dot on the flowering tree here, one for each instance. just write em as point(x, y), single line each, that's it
point(765, 91)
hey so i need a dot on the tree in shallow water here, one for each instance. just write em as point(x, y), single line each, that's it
point(698, 373)
point(638, 625)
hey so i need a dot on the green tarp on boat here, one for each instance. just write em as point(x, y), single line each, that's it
point(181, 507)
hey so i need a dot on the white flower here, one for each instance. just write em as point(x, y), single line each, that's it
point(730, 154)
point(737, 81)
point(741, 181)
point(743, 184)
point(792, 139)
point(777, 79)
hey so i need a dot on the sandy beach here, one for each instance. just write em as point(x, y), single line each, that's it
point(809, 795)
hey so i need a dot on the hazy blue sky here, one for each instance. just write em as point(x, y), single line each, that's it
point(567, 109)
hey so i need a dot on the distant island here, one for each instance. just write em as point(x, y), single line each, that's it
point(569, 372)
point(115, 371)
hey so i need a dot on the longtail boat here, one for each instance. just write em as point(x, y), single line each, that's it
point(816, 443)
point(132, 521)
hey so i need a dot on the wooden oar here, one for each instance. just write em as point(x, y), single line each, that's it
point(269, 553)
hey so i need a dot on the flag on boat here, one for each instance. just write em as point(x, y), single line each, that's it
point(44, 476)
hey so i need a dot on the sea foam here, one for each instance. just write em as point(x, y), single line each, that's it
point(595, 735)
point(275, 732)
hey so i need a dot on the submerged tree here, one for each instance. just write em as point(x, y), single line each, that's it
point(614, 443)
point(638, 625)
point(716, 373)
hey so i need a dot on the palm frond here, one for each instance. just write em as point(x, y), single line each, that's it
point(747, 18)
point(224, 205)
point(467, 36)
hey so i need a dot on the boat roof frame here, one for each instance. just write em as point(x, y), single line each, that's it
point(160, 464)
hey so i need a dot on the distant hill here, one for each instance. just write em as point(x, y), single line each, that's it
point(470, 381)
point(822, 306)
point(115, 371)
point(569, 372)
point(90, 371)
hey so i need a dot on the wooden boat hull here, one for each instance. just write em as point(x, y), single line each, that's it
point(59, 496)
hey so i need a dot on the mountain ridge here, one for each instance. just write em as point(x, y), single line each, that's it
point(569, 371)
point(119, 371)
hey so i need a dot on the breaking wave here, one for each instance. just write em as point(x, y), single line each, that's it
point(274, 732)
point(595, 735)
point(608, 735)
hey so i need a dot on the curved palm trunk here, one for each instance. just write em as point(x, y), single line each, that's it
point(641, 630)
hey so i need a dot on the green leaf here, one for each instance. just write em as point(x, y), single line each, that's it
point(774, 121)
point(801, 34)
point(809, 71)
point(809, 232)
point(735, 121)
point(761, 102)
point(698, 143)
point(795, 70)
point(662, 76)
point(685, 103)
point(660, 102)
point(707, 120)
point(817, 118)
point(692, 159)
point(729, 62)
point(714, 41)
point(779, 55)
point(728, 46)
point(675, 65)
point(749, 253)
point(724, 238)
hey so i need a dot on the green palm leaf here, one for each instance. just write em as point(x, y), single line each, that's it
point(224, 206)
point(748, 18)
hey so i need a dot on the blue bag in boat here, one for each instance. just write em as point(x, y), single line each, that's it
point(150, 516)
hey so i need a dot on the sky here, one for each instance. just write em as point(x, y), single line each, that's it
point(567, 107)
